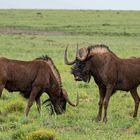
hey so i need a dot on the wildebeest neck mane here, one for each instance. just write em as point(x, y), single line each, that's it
point(99, 48)
point(53, 67)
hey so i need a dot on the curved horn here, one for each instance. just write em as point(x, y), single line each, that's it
point(68, 100)
point(66, 59)
point(77, 51)
point(82, 54)
point(77, 101)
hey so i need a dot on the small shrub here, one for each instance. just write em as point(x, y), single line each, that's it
point(136, 129)
point(15, 106)
point(13, 117)
point(105, 24)
point(41, 134)
point(6, 127)
point(2, 119)
point(4, 96)
point(21, 132)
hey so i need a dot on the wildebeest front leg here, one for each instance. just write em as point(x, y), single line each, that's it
point(2, 82)
point(136, 99)
point(102, 95)
point(33, 94)
point(109, 90)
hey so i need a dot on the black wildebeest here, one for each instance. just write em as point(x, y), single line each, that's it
point(31, 79)
point(110, 73)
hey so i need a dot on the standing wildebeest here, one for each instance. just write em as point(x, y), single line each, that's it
point(110, 73)
point(31, 79)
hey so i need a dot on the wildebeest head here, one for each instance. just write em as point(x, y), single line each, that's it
point(58, 103)
point(81, 71)
point(82, 64)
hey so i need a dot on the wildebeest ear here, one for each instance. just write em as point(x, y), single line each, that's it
point(82, 54)
point(90, 55)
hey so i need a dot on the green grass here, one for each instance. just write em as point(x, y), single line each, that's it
point(85, 22)
point(117, 29)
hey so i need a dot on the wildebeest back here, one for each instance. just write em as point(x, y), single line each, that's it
point(19, 75)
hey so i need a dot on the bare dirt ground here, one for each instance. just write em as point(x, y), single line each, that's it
point(17, 31)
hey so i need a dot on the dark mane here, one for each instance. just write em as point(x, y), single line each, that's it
point(44, 57)
point(98, 46)
point(55, 70)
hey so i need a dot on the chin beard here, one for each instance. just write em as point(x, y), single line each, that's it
point(87, 80)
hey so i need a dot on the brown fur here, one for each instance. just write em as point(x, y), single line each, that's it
point(31, 79)
point(110, 73)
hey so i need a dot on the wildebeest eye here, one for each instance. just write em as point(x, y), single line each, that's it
point(80, 64)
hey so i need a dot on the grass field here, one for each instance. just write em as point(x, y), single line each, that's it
point(28, 34)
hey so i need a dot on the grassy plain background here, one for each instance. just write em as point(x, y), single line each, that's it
point(27, 34)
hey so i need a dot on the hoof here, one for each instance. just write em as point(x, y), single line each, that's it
point(105, 120)
point(98, 118)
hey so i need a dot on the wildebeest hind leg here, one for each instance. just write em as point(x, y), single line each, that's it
point(136, 99)
point(1, 89)
point(33, 94)
point(0, 93)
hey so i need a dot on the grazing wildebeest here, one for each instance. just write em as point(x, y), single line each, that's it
point(110, 73)
point(31, 79)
